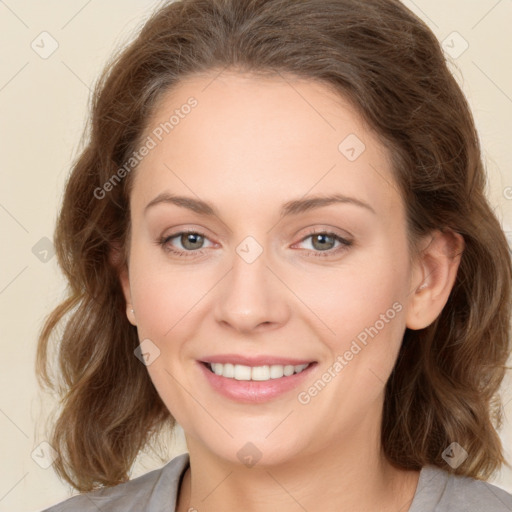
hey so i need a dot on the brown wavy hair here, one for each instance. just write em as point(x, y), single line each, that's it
point(390, 66)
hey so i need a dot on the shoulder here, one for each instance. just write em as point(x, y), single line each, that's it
point(441, 491)
point(153, 492)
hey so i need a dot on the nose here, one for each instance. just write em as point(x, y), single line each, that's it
point(251, 297)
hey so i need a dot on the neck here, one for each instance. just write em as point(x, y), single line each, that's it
point(353, 476)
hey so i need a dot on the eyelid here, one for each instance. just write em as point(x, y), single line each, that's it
point(165, 239)
point(344, 241)
point(327, 230)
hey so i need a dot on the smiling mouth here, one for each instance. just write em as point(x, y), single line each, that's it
point(255, 373)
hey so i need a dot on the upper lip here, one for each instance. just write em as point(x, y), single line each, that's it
point(261, 360)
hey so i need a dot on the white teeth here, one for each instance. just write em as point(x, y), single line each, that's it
point(276, 371)
point(288, 370)
point(228, 370)
point(241, 372)
point(259, 373)
point(217, 368)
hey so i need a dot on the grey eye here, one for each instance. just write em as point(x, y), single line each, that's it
point(323, 241)
point(191, 240)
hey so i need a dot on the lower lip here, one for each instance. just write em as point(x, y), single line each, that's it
point(251, 391)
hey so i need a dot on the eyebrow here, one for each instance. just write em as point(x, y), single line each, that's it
point(293, 207)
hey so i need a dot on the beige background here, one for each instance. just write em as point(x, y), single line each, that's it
point(43, 104)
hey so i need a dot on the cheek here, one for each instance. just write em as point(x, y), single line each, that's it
point(163, 296)
point(165, 302)
point(156, 307)
point(367, 314)
point(364, 306)
point(355, 296)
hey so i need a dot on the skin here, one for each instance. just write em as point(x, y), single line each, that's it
point(249, 146)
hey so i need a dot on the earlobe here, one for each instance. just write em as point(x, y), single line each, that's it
point(130, 314)
point(121, 268)
point(433, 278)
point(125, 285)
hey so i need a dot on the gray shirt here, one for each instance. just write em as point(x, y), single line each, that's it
point(156, 491)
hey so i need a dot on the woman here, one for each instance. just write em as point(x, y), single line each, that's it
point(278, 238)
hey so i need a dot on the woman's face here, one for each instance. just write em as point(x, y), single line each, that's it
point(298, 255)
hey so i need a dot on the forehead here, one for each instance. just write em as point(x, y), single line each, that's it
point(219, 136)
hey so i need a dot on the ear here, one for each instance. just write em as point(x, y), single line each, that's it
point(117, 260)
point(434, 272)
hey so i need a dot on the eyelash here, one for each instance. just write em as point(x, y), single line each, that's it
point(164, 241)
